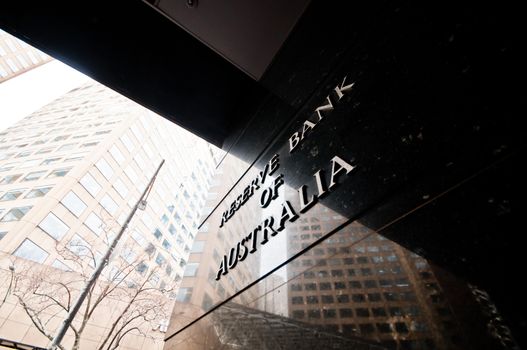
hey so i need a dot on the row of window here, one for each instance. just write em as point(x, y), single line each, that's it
point(66, 147)
point(55, 139)
point(33, 193)
point(382, 283)
point(39, 162)
point(356, 298)
point(349, 313)
point(35, 175)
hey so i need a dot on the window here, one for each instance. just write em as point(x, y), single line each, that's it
point(74, 203)
point(370, 284)
point(73, 159)
point(384, 327)
point(191, 269)
point(34, 175)
point(30, 251)
point(12, 195)
point(9, 179)
point(138, 238)
point(127, 143)
point(60, 138)
point(313, 313)
point(120, 187)
point(29, 164)
point(40, 142)
point(105, 168)
point(109, 204)
point(198, 246)
point(94, 223)
point(50, 161)
point(160, 259)
point(23, 154)
point(65, 147)
point(183, 295)
point(362, 312)
point(2, 234)
point(327, 299)
point(8, 166)
point(89, 144)
point(358, 298)
point(329, 313)
point(312, 299)
point(157, 233)
point(378, 311)
point(38, 192)
point(346, 313)
point(53, 226)
point(311, 286)
point(79, 136)
point(355, 284)
point(59, 173)
point(79, 246)
point(172, 230)
point(128, 255)
point(340, 285)
point(16, 214)
point(141, 268)
point(131, 174)
point(90, 184)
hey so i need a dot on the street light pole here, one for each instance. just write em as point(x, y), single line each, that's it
point(102, 264)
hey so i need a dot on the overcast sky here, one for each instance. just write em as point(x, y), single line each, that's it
point(26, 93)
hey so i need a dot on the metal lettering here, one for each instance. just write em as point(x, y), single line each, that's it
point(266, 227)
point(338, 165)
point(321, 184)
point(223, 270)
point(293, 141)
point(325, 108)
point(307, 126)
point(343, 88)
point(288, 214)
point(273, 164)
point(304, 204)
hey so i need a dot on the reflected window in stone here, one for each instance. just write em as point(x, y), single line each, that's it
point(384, 327)
point(366, 328)
point(329, 313)
point(327, 299)
point(362, 312)
point(312, 299)
point(344, 298)
point(313, 313)
point(374, 297)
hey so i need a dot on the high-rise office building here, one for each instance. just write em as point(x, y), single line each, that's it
point(71, 173)
point(17, 57)
point(361, 284)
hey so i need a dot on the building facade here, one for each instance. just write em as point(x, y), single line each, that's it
point(72, 172)
point(17, 57)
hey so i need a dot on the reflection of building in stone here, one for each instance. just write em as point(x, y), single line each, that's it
point(199, 290)
point(359, 283)
point(235, 326)
point(274, 298)
point(242, 327)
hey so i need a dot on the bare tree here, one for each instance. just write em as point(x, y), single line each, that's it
point(127, 288)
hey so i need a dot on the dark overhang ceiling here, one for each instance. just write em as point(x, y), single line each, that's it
point(143, 54)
